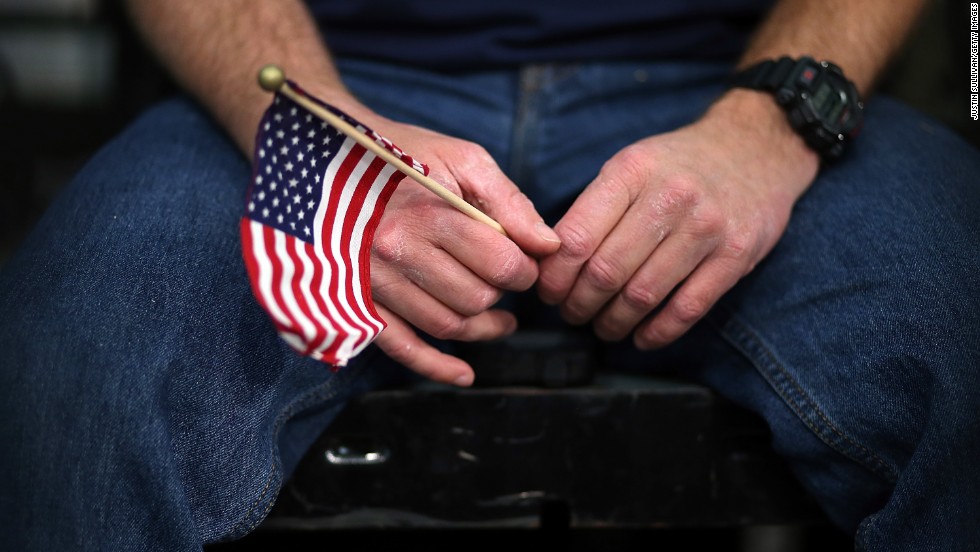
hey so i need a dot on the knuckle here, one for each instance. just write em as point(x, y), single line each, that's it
point(446, 177)
point(552, 287)
point(632, 162)
point(682, 195)
point(688, 309)
point(429, 212)
point(640, 297)
point(473, 152)
point(440, 222)
point(652, 335)
point(518, 201)
point(403, 352)
point(709, 220)
point(448, 326)
point(474, 166)
point(576, 242)
point(481, 300)
point(737, 246)
point(575, 312)
point(606, 329)
point(604, 274)
point(381, 288)
point(510, 270)
point(472, 159)
point(390, 246)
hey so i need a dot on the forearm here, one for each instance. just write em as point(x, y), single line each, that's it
point(214, 50)
point(859, 36)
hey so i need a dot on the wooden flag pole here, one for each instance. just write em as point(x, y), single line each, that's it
point(272, 78)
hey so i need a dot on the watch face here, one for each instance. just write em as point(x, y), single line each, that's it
point(823, 107)
point(832, 103)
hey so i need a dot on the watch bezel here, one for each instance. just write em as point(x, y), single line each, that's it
point(797, 96)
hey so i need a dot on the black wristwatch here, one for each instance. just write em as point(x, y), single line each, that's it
point(823, 106)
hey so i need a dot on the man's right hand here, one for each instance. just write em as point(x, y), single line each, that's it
point(436, 269)
point(432, 267)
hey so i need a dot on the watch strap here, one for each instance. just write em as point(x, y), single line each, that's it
point(766, 75)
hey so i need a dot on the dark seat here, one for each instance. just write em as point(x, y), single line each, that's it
point(619, 452)
point(546, 443)
point(619, 463)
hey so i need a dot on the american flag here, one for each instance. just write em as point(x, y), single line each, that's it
point(313, 205)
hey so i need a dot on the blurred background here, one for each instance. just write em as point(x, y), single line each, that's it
point(72, 74)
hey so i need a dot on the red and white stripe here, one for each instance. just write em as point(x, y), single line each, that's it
point(319, 296)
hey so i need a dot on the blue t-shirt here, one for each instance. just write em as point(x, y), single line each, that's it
point(459, 34)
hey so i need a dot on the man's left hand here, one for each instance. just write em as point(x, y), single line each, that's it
point(675, 220)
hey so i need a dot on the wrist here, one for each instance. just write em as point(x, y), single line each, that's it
point(821, 103)
point(764, 129)
point(246, 117)
point(334, 93)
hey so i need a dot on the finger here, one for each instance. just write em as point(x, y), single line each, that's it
point(490, 256)
point(487, 188)
point(417, 224)
point(586, 224)
point(444, 278)
point(669, 265)
point(436, 319)
point(402, 345)
point(630, 244)
point(689, 304)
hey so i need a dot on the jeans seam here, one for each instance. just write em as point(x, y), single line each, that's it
point(235, 530)
point(860, 536)
point(323, 392)
point(525, 120)
point(741, 336)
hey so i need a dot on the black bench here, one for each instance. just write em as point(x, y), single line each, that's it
point(644, 457)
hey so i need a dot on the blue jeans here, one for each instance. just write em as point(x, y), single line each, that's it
point(147, 403)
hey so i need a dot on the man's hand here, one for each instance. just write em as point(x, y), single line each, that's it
point(673, 221)
point(435, 268)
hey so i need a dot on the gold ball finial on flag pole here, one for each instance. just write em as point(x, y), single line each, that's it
point(271, 78)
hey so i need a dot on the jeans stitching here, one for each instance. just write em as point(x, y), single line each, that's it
point(234, 532)
point(860, 536)
point(323, 392)
point(523, 135)
point(743, 338)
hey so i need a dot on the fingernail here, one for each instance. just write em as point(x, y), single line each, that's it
point(463, 381)
point(547, 233)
